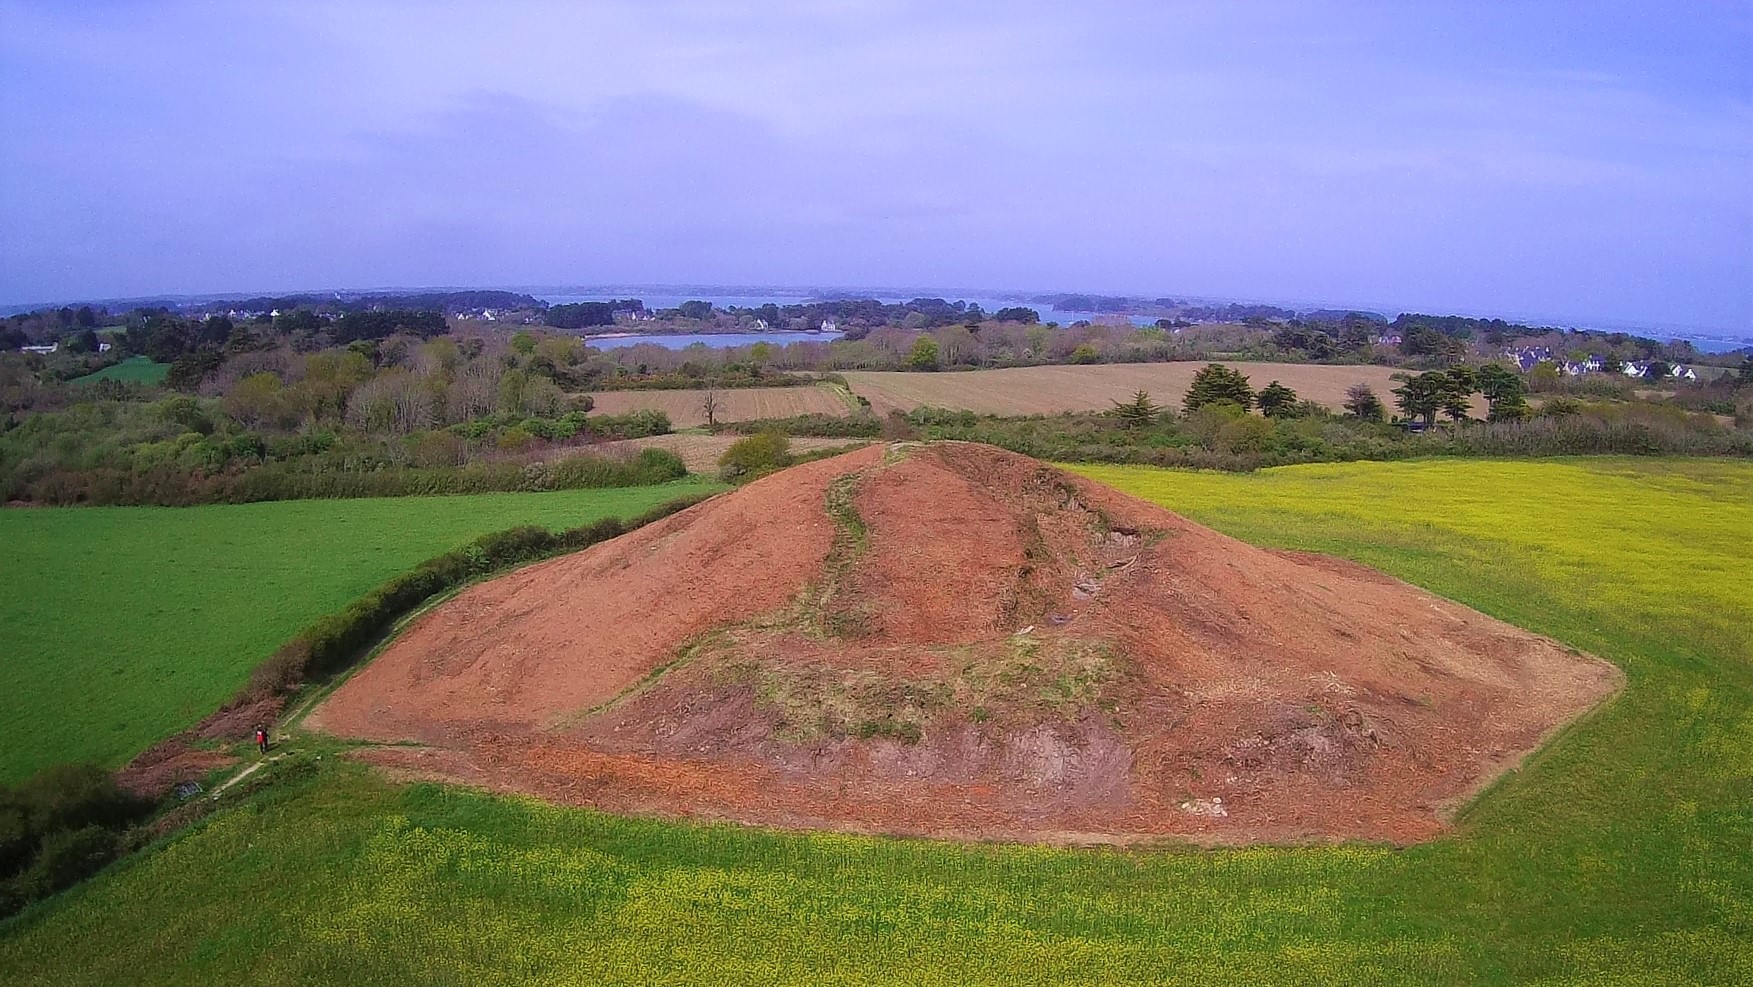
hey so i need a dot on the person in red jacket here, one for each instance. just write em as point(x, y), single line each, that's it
point(261, 739)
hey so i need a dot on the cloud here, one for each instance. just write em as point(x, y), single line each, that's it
point(1280, 150)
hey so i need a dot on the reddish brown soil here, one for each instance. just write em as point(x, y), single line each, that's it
point(174, 760)
point(1003, 652)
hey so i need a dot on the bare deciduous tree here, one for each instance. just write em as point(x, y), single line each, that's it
point(711, 403)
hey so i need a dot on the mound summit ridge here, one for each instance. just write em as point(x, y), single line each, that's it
point(952, 640)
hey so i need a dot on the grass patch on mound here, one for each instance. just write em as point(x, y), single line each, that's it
point(125, 624)
point(1617, 856)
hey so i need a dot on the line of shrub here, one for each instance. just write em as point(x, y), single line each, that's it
point(822, 426)
point(167, 485)
point(1251, 442)
point(334, 642)
point(725, 379)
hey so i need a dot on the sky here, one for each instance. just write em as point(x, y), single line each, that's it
point(1580, 161)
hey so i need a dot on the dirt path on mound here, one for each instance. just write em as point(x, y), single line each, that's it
point(950, 640)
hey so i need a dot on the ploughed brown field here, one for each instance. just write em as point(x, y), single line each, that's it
point(738, 404)
point(1095, 387)
point(952, 640)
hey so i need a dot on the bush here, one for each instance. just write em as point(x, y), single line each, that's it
point(754, 456)
point(1245, 433)
point(633, 425)
point(68, 856)
point(822, 426)
point(69, 796)
point(58, 827)
point(16, 839)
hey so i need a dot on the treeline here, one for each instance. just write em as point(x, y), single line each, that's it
point(446, 302)
point(118, 453)
point(1213, 427)
point(1228, 440)
point(584, 315)
point(168, 485)
point(858, 316)
point(363, 421)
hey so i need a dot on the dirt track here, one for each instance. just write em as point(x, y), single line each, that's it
point(951, 640)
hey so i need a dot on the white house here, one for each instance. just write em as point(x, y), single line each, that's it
point(52, 347)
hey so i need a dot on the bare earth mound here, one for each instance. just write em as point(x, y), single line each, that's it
point(951, 640)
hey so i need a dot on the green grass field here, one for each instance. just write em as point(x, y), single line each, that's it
point(133, 370)
point(1619, 856)
point(122, 625)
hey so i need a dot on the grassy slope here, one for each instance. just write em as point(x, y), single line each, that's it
point(121, 625)
point(1619, 856)
point(134, 369)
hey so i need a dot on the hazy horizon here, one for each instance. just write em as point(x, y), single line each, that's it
point(1518, 160)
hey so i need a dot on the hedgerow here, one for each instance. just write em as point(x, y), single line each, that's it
point(171, 485)
point(335, 641)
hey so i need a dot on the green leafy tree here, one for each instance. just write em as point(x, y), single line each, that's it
point(1216, 382)
point(299, 320)
point(215, 330)
point(512, 385)
point(1458, 393)
point(1085, 353)
point(1422, 396)
point(166, 339)
point(188, 370)
point(1659, 370)
point(924, 354)
point(1277, 401)
point(1361, 402)
point(1544, 376)
point(1504, 392)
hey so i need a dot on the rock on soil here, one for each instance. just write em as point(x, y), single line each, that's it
point(951, 640)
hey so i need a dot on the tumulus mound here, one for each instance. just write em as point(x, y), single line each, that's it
point(951, 640)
